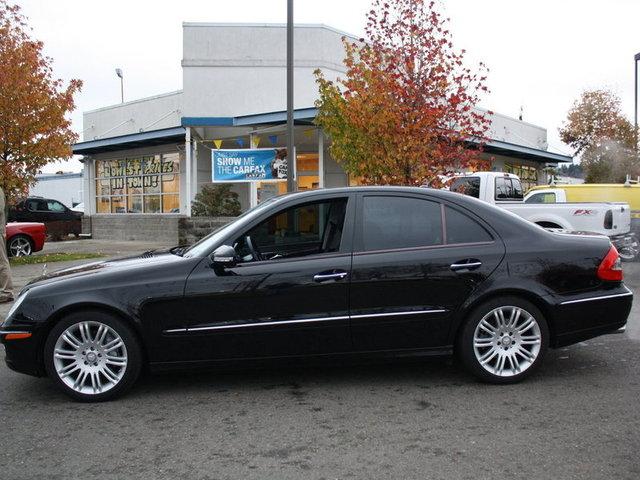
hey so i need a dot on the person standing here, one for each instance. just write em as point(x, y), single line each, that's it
point(6, 287)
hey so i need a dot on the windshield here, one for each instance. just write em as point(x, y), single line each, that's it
point(204, 246)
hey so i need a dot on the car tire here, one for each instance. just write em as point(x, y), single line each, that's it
point(503, 340)
point(19, 246)
point(92, 356)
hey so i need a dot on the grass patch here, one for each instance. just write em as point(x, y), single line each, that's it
point(52, 257)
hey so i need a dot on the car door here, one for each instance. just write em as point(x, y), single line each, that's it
point(415, 261)
point(290, 300)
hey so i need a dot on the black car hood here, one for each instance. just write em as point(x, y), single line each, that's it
point(129, 263)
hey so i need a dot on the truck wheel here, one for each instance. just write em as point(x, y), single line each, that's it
point(629, 249)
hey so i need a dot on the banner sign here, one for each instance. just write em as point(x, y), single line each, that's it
point(248, 165)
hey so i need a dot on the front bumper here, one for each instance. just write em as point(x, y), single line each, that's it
point(22, 355)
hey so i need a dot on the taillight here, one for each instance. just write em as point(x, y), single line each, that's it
point(610, 268)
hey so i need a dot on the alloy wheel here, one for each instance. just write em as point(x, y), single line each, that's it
point(90, 357)
point(20, 247)
point(507, 341)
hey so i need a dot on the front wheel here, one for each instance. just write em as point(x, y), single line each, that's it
point(92, 356)
point(19, 246)
point(503, 340)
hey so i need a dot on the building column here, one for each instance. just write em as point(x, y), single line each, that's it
point(320, 158)
point(187, 167)
point(88, 194)
point(253, 186)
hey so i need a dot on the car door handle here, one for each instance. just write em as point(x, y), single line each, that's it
point(469, 265)
point(325, 277)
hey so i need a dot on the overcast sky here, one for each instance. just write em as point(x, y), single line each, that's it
point(541, 53)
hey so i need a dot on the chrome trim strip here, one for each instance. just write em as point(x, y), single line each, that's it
point(601, 297)
point(7, 332)
point(301, 320)
point(396, 314)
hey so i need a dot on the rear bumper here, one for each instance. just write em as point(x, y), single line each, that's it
point(590, 315)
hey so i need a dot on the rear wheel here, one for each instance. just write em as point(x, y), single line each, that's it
point(19, 246)
point(503, 340)
point(629, 249)
point(92, 356)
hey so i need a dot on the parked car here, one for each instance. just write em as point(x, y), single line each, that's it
point(505, 191)
point(350, 273)
point(59, 219)
point(25, 238)
point(78, 208)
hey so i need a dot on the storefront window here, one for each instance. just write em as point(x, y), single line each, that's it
point(528, 175)
point(146, 184)
point(307, 168)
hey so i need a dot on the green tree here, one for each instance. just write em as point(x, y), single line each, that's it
point(216, 201)
point(34, 106)
point(602, 136)
point(404, 113)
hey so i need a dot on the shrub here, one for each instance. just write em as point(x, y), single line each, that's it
point(216, 201)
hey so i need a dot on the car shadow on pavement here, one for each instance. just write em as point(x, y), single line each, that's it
point(575, 363)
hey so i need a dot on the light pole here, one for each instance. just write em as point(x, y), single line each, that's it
point(291, 183)
point(119, 74)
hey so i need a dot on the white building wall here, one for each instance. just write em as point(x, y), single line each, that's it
point(146, 114)
point(239, 69)
point(66, 188)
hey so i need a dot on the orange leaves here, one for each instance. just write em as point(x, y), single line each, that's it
point(404, 112)
point(34, 128)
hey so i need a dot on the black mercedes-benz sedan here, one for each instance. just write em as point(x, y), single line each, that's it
point(377, 272)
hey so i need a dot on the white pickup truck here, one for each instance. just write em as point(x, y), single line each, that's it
point(505, 190)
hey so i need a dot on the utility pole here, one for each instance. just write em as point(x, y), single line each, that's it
point(291, 182)
point(635, 85)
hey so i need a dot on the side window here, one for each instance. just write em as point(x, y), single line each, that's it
point(400, 222)
point(295, 232)
point(517, 189)
point(503, 188)
point(32, 205)
point(463, 229)
point(467, 186)
point(54, 206)
point(508, 189)
point(542, 198)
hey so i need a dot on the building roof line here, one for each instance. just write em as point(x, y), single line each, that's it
point(270, 25)
point(132, 102)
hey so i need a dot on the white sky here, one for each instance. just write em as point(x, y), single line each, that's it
point(542, 53)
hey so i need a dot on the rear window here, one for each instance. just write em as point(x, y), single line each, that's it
point(463, 229)
point(467, 186)
point(508, 189)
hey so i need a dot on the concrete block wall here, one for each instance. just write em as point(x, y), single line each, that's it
point(149, 228)
point(193, 229)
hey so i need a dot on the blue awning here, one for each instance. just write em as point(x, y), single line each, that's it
point(134, 140)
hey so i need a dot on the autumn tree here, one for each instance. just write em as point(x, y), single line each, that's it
point(602, 136)
point(404, 114)
point(34, 127)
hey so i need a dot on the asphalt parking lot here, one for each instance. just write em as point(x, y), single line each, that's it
point(578, 417)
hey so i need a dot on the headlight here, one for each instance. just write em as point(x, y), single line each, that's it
point(17, 303)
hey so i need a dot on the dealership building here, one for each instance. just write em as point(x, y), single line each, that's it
point(145, 160)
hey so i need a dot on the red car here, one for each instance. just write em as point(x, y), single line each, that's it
point(24, 238)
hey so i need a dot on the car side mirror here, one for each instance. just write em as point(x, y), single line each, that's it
point(224, 256)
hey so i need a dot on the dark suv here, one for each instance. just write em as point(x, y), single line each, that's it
point(60, 220)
